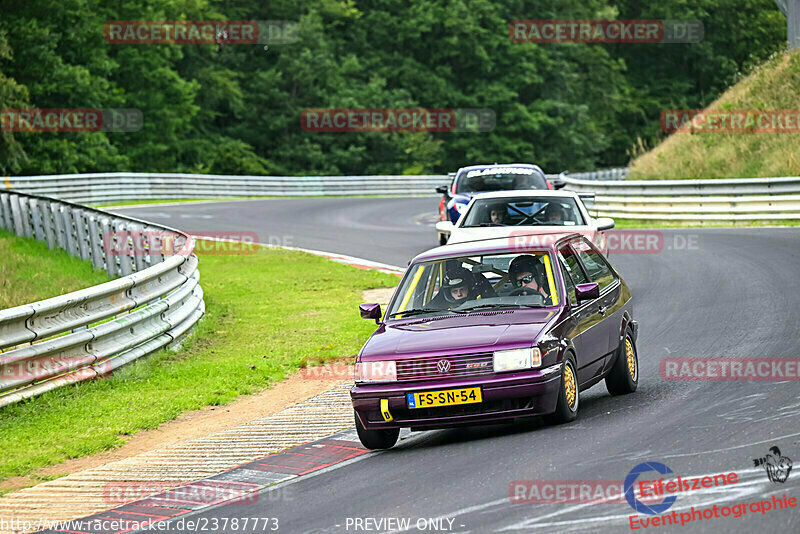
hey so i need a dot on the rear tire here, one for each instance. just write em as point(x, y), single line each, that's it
point(376, 439)
point(568, 395)
point(624, 376)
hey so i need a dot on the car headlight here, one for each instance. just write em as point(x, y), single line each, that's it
point(460, 207)
point(508, 360)
point(380, 371)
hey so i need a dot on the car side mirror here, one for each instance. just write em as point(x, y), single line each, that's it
point(557, 183)
point(445, 227)
point(372, 311)
point(605, 223)
point(442, 189)
point(587, 291)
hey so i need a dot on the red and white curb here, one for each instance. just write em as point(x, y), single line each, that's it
point(239, 486)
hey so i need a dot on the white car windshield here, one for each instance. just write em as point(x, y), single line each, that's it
point(528, 211)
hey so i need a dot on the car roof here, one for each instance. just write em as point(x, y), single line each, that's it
point(526, 193)
point(495, 245)
point(463, 170)
point(490, 165)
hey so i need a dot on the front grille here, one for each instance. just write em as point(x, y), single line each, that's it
point(461, 365)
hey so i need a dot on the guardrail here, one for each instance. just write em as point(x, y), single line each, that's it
point(116, 187)
point(619, 173)
point(727, 200)
point(94, 331)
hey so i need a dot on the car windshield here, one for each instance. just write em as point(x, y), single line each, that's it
point(529, 211)
point(464, 284)
point(500, 179)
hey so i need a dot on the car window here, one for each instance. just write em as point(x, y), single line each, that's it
point(570, 285)
point(573, 266)
point(596, 266)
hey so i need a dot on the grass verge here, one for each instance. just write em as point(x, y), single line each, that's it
point(30, 272)
point(774, 85)
point(267, 315)
point(124, 203)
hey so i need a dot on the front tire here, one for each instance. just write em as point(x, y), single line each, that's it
point(624, 376)
point(376, 439)
point(568, 395)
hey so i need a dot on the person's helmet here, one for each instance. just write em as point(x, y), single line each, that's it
point(457, 277)
point(523, 264)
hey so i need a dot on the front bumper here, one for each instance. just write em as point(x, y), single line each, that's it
point(505, 395)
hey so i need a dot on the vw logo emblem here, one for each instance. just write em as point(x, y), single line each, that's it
point(443, 366)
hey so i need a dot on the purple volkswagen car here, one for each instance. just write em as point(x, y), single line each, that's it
point(487, 331)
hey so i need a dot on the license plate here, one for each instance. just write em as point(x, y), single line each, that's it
point(447, 397)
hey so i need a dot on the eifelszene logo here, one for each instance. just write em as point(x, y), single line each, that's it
point(638, 505)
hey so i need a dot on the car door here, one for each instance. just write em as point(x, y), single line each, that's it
point(591, 342)
point(609, 303)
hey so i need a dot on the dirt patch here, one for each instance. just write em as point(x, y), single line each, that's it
point(380, 295)
point(190, 425)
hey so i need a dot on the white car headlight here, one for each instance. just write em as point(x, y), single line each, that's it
point(508, 360)
point(380, 371)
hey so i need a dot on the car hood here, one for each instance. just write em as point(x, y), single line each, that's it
point(439, 335)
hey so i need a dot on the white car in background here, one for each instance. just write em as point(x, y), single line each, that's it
point(526, 217)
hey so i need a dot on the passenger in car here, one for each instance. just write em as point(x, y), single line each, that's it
point(457, 287)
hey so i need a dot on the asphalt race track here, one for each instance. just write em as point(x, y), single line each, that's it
point(733, 293)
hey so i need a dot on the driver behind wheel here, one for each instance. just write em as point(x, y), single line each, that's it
point(498, 213)
point(554, 214)
point(526, 273)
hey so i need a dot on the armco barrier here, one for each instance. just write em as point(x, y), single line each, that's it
point(115, 187)
point(733, 200)
point(70, 338)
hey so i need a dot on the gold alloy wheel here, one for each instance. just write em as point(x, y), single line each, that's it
point(631, 358)
point(570, 388)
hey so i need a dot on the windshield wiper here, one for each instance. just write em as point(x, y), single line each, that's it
point(492, 306)
point(413, 312)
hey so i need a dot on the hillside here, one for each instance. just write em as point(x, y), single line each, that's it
point(775, 85)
